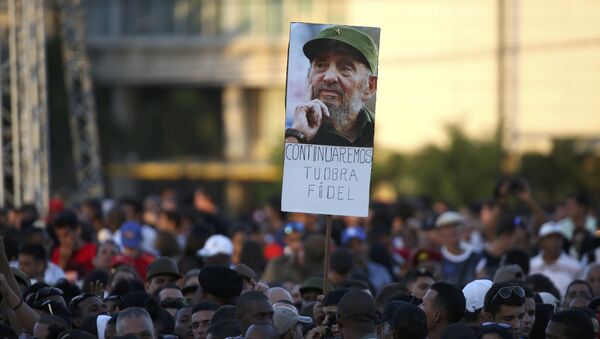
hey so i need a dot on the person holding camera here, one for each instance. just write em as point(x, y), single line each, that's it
point(327, 309)
point(519, 188)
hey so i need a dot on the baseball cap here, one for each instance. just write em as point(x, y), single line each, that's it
point(131, 234)
point(416, 273)
point(389, 309)
point(409, 313)
point(512, 272)
point(550, 227)
point(549, 299)
point(216, 244)
point(357, 305)
point(292, 227)
point(426, 255)
point(162, 265)
point(475, 294)
point(245, 272)
point(449, 218)
point(220, 281)
point(286, 316)
point(354, 38)
point(312, 283)
point(354, 232)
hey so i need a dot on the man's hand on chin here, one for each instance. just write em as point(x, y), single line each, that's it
point(308, 118)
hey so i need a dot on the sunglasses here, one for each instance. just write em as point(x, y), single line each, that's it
point(44, 293)
point(507, 292)
point(114, 297)
point(502, 326)
point(48, 304)
point(76, 300)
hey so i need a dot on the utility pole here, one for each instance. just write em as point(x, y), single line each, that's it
point(80, 92)
point(23, 107)
point(507, 56)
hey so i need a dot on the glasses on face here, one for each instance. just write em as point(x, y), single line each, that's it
point(44, 293)
point(48, 304)
point(114, 297)
point(502, 326)
point(78, 299)
point(507, 292)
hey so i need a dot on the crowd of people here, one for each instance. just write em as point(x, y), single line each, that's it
point(170, 267)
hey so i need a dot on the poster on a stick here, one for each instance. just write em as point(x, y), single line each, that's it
point(330, 118)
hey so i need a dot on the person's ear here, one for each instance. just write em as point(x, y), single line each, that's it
point(371, 87)
point(436, 314)
point(76, 322)
point(487, 317)
point(147, 286)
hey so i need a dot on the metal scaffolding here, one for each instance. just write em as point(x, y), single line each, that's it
point(80, 92)
point(23, 107)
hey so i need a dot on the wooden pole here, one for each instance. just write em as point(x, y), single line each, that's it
point(326, 260)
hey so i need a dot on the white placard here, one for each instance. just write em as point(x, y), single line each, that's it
point(326, 179)
point(330, 119)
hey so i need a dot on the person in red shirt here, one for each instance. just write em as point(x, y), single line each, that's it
point(72, 254)
point(132, 254)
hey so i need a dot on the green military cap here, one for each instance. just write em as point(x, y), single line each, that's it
point(352, 37)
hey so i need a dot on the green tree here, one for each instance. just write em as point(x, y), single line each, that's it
point(463, 170)
point(569, 167)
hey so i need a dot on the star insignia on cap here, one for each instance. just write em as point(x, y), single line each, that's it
point(337, 31)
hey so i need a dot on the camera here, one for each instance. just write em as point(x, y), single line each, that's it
point(514, 185)
point(328, 328)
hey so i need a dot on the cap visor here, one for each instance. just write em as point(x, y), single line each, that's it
point(203, 252)
point(305, 320)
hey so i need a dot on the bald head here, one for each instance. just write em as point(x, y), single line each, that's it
point(262, 331)
point(276, 294)
point(135, 321)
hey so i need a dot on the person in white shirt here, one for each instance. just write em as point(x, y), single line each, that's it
point(578, 217)
point(32, 261)
point(552, 261)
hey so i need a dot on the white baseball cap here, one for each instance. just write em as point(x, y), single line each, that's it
point(449, 218)
point(216, 244)
point(551, 227)
point(549, 299)
point(286, 316)
point(475, 294)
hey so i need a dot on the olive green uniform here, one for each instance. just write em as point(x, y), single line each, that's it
point(327, 135)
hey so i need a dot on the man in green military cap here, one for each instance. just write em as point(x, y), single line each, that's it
point(342, 76)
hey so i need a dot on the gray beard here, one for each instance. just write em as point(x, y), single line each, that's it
point(339, 114)
point(344, 114)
